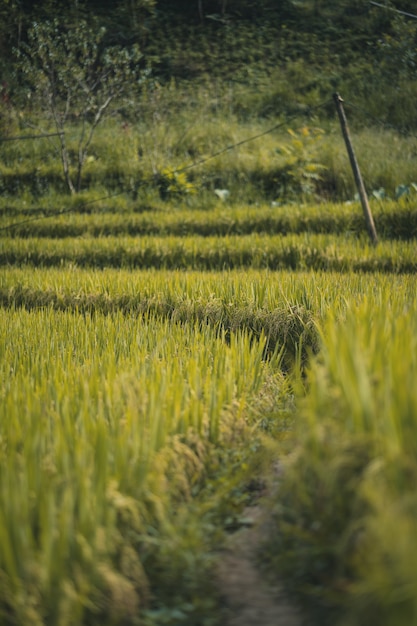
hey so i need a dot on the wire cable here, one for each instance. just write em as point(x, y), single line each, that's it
point(252, 138)
point(383, 6)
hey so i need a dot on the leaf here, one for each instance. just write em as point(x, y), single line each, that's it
point(223, 194)
point(379, 194)
point(401, 190)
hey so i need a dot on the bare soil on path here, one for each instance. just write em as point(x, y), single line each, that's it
point(249, 599)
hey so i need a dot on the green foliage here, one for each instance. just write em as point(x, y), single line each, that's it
point(74, 73)
point(301, 172)
point(318, 519)
point(173, 183)
point(125, 156)
point(10, 19)
point(405, 190)
point(397, 50)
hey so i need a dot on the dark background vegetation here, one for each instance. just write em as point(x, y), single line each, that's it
point(352, 41)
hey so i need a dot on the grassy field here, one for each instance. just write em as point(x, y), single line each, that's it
point(160, 349)
point(143, 395)
point(345, 514)
point(111, 426)
point(393, 219)
point(207, 308)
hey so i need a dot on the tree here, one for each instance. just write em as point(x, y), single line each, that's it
point(77, 76)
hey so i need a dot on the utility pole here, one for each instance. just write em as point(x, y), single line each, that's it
point(355, 168)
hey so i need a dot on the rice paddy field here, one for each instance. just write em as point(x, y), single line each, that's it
point(158, 360)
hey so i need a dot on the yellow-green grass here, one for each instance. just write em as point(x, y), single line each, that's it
point(121, 397)
point(271, 305)
point(246, 299)
point(393, 220)
point(239, 287)
point(298, 252)
point(108, 427)
point(345, 534)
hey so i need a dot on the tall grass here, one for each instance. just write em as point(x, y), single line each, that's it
point(106, 427)
point(110, 420)
point(128, 395)
point(181, 295)
point(345, 513)
point(177, 126)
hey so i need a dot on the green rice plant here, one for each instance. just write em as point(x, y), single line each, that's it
point(297, 252)
point(93, 366)
point(284, 326)
point(345, 513)
point(107, 423)
point(283, 307)
point(170, 291)
point(93, 215)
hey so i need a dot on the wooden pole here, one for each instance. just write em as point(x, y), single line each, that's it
point(355, 168)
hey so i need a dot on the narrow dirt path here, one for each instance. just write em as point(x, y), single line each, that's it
point(249, 599)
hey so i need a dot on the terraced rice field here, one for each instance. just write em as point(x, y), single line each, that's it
point(151, 358)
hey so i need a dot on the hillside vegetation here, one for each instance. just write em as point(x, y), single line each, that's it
point(198, 85)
